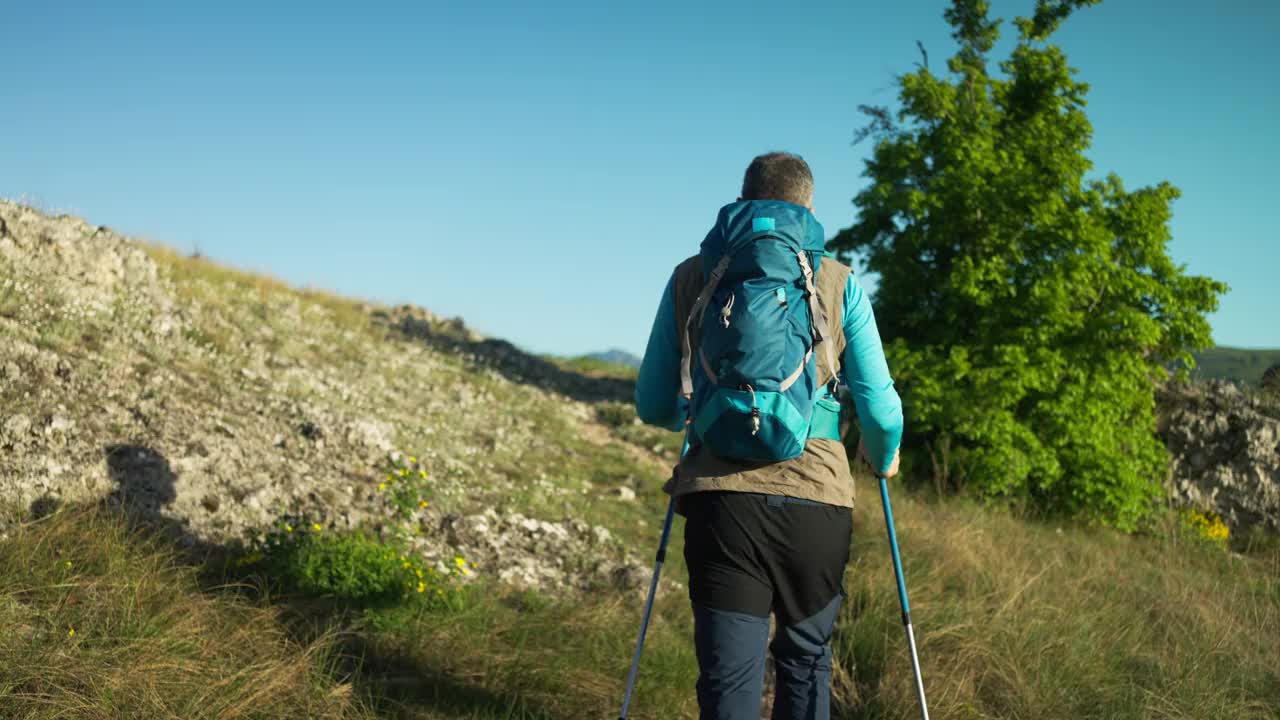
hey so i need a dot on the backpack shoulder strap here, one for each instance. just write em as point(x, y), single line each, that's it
point(695, 319)
point(818, 317)
point(832, 277)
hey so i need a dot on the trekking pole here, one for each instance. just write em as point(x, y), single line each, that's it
point(648, 604)
point(902, 594)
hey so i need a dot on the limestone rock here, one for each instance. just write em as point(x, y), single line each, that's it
point(1225, 450)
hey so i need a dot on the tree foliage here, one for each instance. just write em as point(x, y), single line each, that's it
point(1028, 306)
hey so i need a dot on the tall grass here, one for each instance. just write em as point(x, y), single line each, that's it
point(99, 622)
point(1014, 620)
point(1019, 620)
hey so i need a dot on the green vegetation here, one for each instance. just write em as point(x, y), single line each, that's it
point(404, 487)
point(625, 425)
point(595, 367)
point(1029, 305)
point(346, 567)
point(300, 555)
point(1235, 364)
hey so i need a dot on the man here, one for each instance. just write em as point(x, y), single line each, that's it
point(769, 537)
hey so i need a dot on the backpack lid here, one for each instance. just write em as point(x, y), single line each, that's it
point(741, 223)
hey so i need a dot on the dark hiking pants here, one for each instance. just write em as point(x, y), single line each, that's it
point(749, 555)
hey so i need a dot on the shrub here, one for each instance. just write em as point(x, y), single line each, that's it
point(616, 414)
point(350, 567)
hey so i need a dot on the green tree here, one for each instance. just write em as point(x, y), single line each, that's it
point(1029, 308)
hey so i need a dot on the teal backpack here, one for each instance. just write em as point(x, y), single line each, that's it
point(754, 384)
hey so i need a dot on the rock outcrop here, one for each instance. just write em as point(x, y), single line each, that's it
point(1271, 380)
point(1225, 452)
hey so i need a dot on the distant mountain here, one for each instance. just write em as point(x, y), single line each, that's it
point(1236, 364)
point(622, 357)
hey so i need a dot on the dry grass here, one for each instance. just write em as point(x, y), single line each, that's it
point(1015, 620)
point(101, 623)
point(1019, 620)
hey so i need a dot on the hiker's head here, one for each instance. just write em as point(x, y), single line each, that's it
point(779, 176)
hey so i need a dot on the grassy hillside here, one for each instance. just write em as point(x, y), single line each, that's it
point(1014, 621)
point(156, 410)
point(1236, 364)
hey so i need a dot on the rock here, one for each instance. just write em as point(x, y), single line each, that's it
point(1271, 379)
point(373, 434)
point(17, 425)
point(631, 577)
point(1225, 452)
point(624, 493)
point(310, 430)
point(211, 503)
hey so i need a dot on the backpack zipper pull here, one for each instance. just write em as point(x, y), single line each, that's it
point(725, 311)
point(755, 412)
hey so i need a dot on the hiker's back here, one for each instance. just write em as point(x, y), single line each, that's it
point(770, 339)
point(759, 332)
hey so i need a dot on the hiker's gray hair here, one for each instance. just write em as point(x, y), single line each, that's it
point(778, 176)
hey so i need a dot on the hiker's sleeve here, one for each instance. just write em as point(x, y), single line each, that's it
point(867, 374)
point(658, 399)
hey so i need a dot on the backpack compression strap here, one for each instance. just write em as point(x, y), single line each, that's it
point(816, 316)
point(700, 305)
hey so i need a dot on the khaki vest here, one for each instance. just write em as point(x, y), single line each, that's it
point(822, 472)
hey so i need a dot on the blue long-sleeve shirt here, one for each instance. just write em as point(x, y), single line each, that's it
point(863, 368)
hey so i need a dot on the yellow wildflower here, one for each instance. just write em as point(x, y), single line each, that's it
point(317, 527)
point(466, 571)
point(382, 486)
point(71, 632)
point(288, 527)
point(422, 587)
point(423, 503)
point(422, 474)
point(459, 562)
point(419, 572)
point(68, 563)
point(413, 460)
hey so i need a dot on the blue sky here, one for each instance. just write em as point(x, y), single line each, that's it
point(538, 168)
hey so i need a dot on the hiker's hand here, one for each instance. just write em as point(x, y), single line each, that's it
point(893, 466)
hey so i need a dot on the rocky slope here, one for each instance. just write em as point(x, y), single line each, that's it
point(211, 402)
